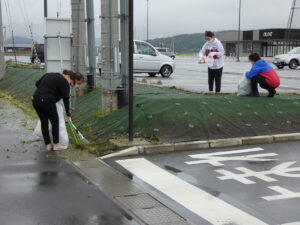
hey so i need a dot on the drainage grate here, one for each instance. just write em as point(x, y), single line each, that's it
point(159, 215)
point(140, 201)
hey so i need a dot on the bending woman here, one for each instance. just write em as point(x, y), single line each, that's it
point(50, 89)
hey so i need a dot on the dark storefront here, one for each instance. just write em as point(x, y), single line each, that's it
point(278, 41)
point(268, 42)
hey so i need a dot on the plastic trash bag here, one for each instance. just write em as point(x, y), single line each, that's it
point(244, 86)
point(63, 134)
point(209, 61)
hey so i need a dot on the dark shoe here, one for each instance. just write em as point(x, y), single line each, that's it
point(254, 95)
point(271, 94)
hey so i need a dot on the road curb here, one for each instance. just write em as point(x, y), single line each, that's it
point(202, 145)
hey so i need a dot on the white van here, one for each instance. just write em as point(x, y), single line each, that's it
point(148, 60)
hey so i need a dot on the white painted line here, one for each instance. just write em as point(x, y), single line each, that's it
point(295, 223)
point(227, 152)
point(216, 158)
point(284, 194)
point(207, 206)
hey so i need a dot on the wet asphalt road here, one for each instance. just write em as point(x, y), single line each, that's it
point(38, 188)
point(191, 76)
point(265, 185)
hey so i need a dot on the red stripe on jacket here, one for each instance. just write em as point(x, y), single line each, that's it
point(272, 77)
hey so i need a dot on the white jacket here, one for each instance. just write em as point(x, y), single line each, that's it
point(218, 47)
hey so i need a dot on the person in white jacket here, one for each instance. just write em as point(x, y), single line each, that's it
point(213, 51)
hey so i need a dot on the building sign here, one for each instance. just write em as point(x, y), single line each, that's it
point(268, 34)
point(273, 34)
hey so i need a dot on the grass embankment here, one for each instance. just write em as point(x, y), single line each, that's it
point(171, 115)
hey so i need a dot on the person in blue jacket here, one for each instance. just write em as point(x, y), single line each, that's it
point(262, 73)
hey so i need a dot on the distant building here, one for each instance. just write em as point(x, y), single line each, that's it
point(18, 47)
point(267, 42)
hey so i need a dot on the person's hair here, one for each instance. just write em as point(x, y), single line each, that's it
point(253, 57)
point(74, 76)
point(209, 34)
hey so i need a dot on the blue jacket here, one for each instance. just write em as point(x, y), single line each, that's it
point(258, 67)
point(264, 69)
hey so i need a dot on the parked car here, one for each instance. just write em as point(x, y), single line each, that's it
point(149, 60)
point(167, 52)
point(292, 59)
point(40, 53)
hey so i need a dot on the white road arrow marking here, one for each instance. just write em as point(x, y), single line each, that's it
point(216, 159)
point(282, 170)
point(284, 194)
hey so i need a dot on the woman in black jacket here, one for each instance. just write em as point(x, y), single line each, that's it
point(50, 89)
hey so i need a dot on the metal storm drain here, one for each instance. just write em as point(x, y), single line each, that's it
point(150, 211)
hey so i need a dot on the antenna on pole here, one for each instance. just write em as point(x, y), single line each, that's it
point(295, 6)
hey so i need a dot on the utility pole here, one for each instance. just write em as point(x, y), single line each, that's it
point(130, 64)
point(110, 77)
point(2, 61)
point(91, 77)
point(79, 36)
point(45, 8)
point(124, 46)
point(239, 32)
point(147, 20)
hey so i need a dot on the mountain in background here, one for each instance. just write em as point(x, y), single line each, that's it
point(18, 40)
point(184, 43)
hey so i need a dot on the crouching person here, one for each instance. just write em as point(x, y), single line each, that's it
point(262, 73)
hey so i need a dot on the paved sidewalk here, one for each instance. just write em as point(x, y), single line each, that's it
point(38, 188)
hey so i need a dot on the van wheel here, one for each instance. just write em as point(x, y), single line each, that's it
point(152, 74)
point(293, 64)
point(280, 67)
point(166, 71)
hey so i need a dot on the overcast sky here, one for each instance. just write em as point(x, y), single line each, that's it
point(167, 17)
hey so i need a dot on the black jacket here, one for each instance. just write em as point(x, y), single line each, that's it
point(53, 87)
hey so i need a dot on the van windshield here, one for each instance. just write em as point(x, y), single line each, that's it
point(295, 51)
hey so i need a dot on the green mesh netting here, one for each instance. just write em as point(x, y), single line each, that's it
point(172, 115)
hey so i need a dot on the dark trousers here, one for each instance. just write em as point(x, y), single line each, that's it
point(46, 111)
point(262, 83)
point(215, 76)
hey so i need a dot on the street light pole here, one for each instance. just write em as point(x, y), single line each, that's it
point(147, 20)
point(239, 32)
point(2, 59)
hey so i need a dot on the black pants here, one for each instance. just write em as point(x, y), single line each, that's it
point(215, 76)
point(262, 83)
point(46, 111)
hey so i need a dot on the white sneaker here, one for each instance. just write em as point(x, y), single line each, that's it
point(59, 148)
point(49, 147)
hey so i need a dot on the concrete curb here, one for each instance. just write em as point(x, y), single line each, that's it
point(202, 145)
